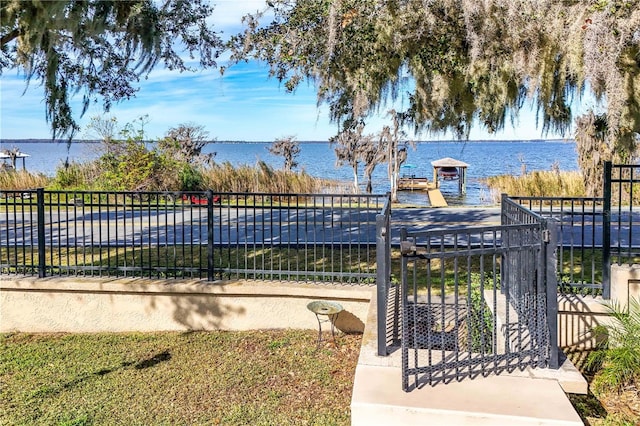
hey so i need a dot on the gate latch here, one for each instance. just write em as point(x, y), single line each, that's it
point(546, 235)
point(407, 247)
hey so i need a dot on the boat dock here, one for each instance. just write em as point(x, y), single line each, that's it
point(415, 184)
point(9, 158)
point(445, 169)
point(436, 199)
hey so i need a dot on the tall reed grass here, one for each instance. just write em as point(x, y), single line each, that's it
point(21, 179)
point(263, 178)
point(219, 178)
point(552, 183)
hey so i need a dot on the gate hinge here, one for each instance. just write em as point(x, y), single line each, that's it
point(546, 235)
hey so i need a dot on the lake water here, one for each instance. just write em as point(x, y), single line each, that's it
point(485, 158)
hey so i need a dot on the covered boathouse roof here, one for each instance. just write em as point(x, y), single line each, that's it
point(448, 162)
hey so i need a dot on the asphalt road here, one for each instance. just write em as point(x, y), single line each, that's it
point(74, 227)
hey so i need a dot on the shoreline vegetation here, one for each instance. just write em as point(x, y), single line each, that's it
point(224, 177)
point(539, 183)
point(96, 141)
point(177, 163)
point(263, 178)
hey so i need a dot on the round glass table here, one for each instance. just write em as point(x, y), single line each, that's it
point(326, 312)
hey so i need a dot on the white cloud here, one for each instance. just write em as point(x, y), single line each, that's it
point(243, 104)
point(227, 14)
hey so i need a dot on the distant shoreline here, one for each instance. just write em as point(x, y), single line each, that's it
point(317, 158)
point(90, 141)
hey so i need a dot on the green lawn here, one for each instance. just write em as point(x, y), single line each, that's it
point(354, 264)
point(274, 377)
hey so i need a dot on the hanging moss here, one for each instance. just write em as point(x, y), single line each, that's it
point(462, 63)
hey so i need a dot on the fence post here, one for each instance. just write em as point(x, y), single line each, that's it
point(404, 290)
point(504, 220)
point(41, 234)
point(381, 283)
point(606, 232)
point(383, 272)
point(396, 301)
point(210, 265)
point(550, 248)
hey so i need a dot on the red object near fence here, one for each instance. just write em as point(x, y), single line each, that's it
point(199, 200)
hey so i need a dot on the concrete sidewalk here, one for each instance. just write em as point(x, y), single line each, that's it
point(528, 397)
point(378, 399)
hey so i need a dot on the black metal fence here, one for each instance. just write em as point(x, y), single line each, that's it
point(388, 302)
point(595, 232)
point(474, 302)
point(529, 274)
point(583, 255)
point(301, 237)
point(622, 190)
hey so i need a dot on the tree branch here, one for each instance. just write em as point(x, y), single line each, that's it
point(6, 38)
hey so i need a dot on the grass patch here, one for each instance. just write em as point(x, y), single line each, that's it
point(580, 270)
point(334, 263)
point(239, 378)
point(112, 202)
point(331, 263)
point(445, 274)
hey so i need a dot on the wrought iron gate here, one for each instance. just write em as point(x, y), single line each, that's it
point(477, 301)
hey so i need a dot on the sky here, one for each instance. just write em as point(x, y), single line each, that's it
point(243, 105)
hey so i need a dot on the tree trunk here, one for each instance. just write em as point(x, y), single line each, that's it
point(394, 187)
point(356, 184)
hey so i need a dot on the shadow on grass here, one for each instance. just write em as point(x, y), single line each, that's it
point(153, 361)
point(147, 363)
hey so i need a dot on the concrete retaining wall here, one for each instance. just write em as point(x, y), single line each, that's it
point(114, 305)
point(625, 283)
point(76, 304)
point(579, 315)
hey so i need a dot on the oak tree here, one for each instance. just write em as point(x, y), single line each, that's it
point(186, 142)
point(100, 48)
point(463, 63)
point(288, 148)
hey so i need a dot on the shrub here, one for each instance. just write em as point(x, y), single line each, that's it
point(79, 176)
point(618, 356)
point(190, 178)
point(134, 167)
